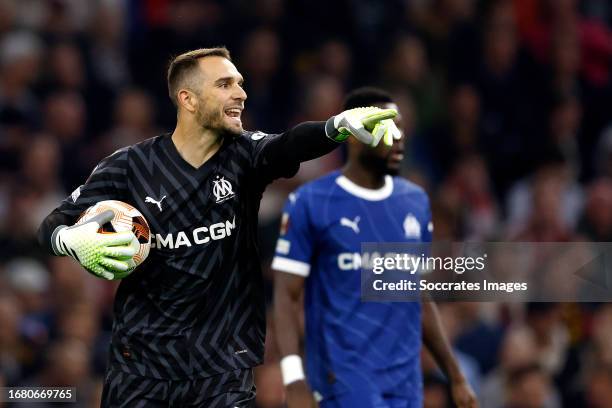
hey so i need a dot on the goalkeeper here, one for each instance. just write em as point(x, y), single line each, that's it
point(190, 321)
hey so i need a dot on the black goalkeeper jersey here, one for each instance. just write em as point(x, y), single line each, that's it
point(195, 307)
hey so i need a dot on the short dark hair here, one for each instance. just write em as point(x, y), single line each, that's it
point(366, 96)
point(183, 66)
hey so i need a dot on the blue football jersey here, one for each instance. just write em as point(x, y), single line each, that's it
point(353, 345)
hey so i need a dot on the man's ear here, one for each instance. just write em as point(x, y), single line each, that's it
point(187, 100)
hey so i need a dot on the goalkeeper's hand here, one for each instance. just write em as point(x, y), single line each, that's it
point(102, 254)
point(368, 125)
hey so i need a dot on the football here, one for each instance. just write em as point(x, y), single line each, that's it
point(127, 218)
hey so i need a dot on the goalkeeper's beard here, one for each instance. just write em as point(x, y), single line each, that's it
point(210, 119)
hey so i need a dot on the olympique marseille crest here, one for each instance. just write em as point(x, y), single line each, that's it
point(412, 227)
point(222, 189)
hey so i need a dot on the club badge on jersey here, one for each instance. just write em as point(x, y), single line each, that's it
point(222, 189)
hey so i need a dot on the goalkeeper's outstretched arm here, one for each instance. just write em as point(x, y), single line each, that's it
point(280, 155)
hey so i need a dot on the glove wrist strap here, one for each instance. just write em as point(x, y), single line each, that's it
point(333, 133)
point(56, 243)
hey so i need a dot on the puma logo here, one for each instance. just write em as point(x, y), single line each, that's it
point(153, 201)
point(352, 224)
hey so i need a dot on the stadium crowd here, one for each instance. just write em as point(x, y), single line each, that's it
point(506, 105)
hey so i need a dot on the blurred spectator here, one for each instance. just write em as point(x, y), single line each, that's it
point(13, 352)
point(17, 231)
point(62, 18)
point(460, 134)
point(468, 190)
point(544, 223)
point(65, 117)
point(599, 387)
point(13, 140)
point(20, 56)
point(603, 154)
point(372, 24)
point(134, 114)
point(505, 98)
point(334, 59)
point(68, 72)
point(596, 221)
point(318, 100)
point(553, 191)
point(504, 385)
point(260, 64)
point(449, 221)
point(540, 19)
point(65, 120)
point(271, 13)
point(479, 336)
point(66, 69)
point(530, 387)
point(565, 120)
point(407, 67)
point(565, 63)
point(550, 334)
point(583, 380)
point(29, 281)
point(41, 162)
point(79, 322)
point(321, 96)
point(449, 32)
point(108, 48)
point(602, 332)
point(66, 365)
point(7, 16)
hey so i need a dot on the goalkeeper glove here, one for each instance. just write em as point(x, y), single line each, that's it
point(102, 254)
point(368, 125)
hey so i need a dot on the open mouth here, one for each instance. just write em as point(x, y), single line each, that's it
point(233, 113)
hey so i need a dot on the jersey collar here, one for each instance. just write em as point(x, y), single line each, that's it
point(201, 172)
point(366, 193)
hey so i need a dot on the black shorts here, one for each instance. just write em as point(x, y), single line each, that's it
point(228, 390)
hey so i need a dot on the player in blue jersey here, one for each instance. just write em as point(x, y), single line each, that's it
point(358, 354)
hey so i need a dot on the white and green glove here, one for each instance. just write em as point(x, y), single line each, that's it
point(368, 125)
point(102, 254)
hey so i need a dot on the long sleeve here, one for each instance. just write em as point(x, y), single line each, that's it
point(280, 155)
point(106, 182)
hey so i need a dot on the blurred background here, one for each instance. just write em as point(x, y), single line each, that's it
point(507, 108)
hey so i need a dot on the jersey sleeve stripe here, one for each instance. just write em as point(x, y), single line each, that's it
point(291, 266)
